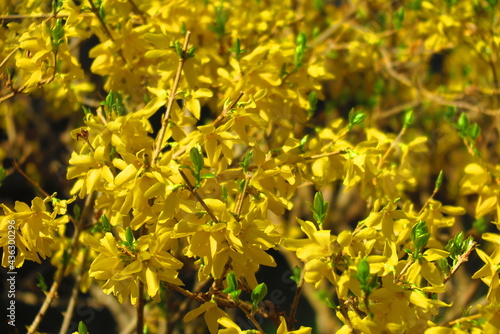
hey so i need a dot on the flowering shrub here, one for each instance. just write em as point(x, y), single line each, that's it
point(358, 140)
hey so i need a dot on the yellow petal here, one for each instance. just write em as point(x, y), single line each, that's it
point(152, 282)
point(126, 175)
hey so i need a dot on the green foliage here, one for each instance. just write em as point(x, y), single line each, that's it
point(420, 236)
point(82, 329)
point(319, 208)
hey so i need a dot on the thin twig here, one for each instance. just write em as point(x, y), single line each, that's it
point(38, 16)
point(140, 309)
point(404, 270)
point(322, 155)
point(253, 320)
point(137, 11)
point(74, 294)
point(198, 197)
point(29, 179)
point(428, 201)
point(60, 274)
point(468, 318)
point(217, 285)
point(223, 114)
point(391, 147)
point(105, 28)
point(461, 259)
point(8, 56)
point(241, 197)
point(171, 99)
point(215, 123)
point(295, 303)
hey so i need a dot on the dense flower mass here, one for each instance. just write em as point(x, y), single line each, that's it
point(350, 146)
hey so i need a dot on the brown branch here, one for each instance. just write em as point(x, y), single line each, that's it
point(105, 28)
point(468, 318)
point(199, 297)
point(29, 179)
point(241, 197)
point(403, 271)
point(60, 274)
point(220, 299)
point(428, 200)
point(217, 285)
point(253, 320)
point(8, 56)
point(322, 155)
point(74, 295)
point(391, 147)
point(38, 16)
point(215, 123)
point(223, 114)
point(140, 309)
point(295, 303)
point(198, 197)
point(137, 11)
point(461, 259)
point(171, 99)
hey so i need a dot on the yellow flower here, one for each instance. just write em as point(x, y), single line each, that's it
point(124, 265)
point(36, 230)
point(211, 314)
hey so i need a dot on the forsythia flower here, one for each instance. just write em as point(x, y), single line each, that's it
point(124, 266)
point(36, 229)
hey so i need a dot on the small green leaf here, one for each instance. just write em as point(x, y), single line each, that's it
point(259, 293)
point(237, 50)
point(196, 159)
point(41, 282)
point(363, 272)
point(208, 176)
point(474, 130)
point(129, 236)
point(301, 40)
point(298, 56)
point(398, 18)
point(235, 294)
point(297, 272)
point(303, 142)
point(82, 329)
point(225, 197)
point(313, 101)
point(439, 181)
point(106, 226)
point(355, 118)
point(241, 185)
point(178, 48)
point(408, 118)
point(3, 174)
point(232, 282)
point(330, 303)
point(319, 208)
point(221, 17)
point(86, 110)
point(449, 113)
point(76, 212)
point(420, 236)
point(56, 5)
point(246, 161)
point(463, 122)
